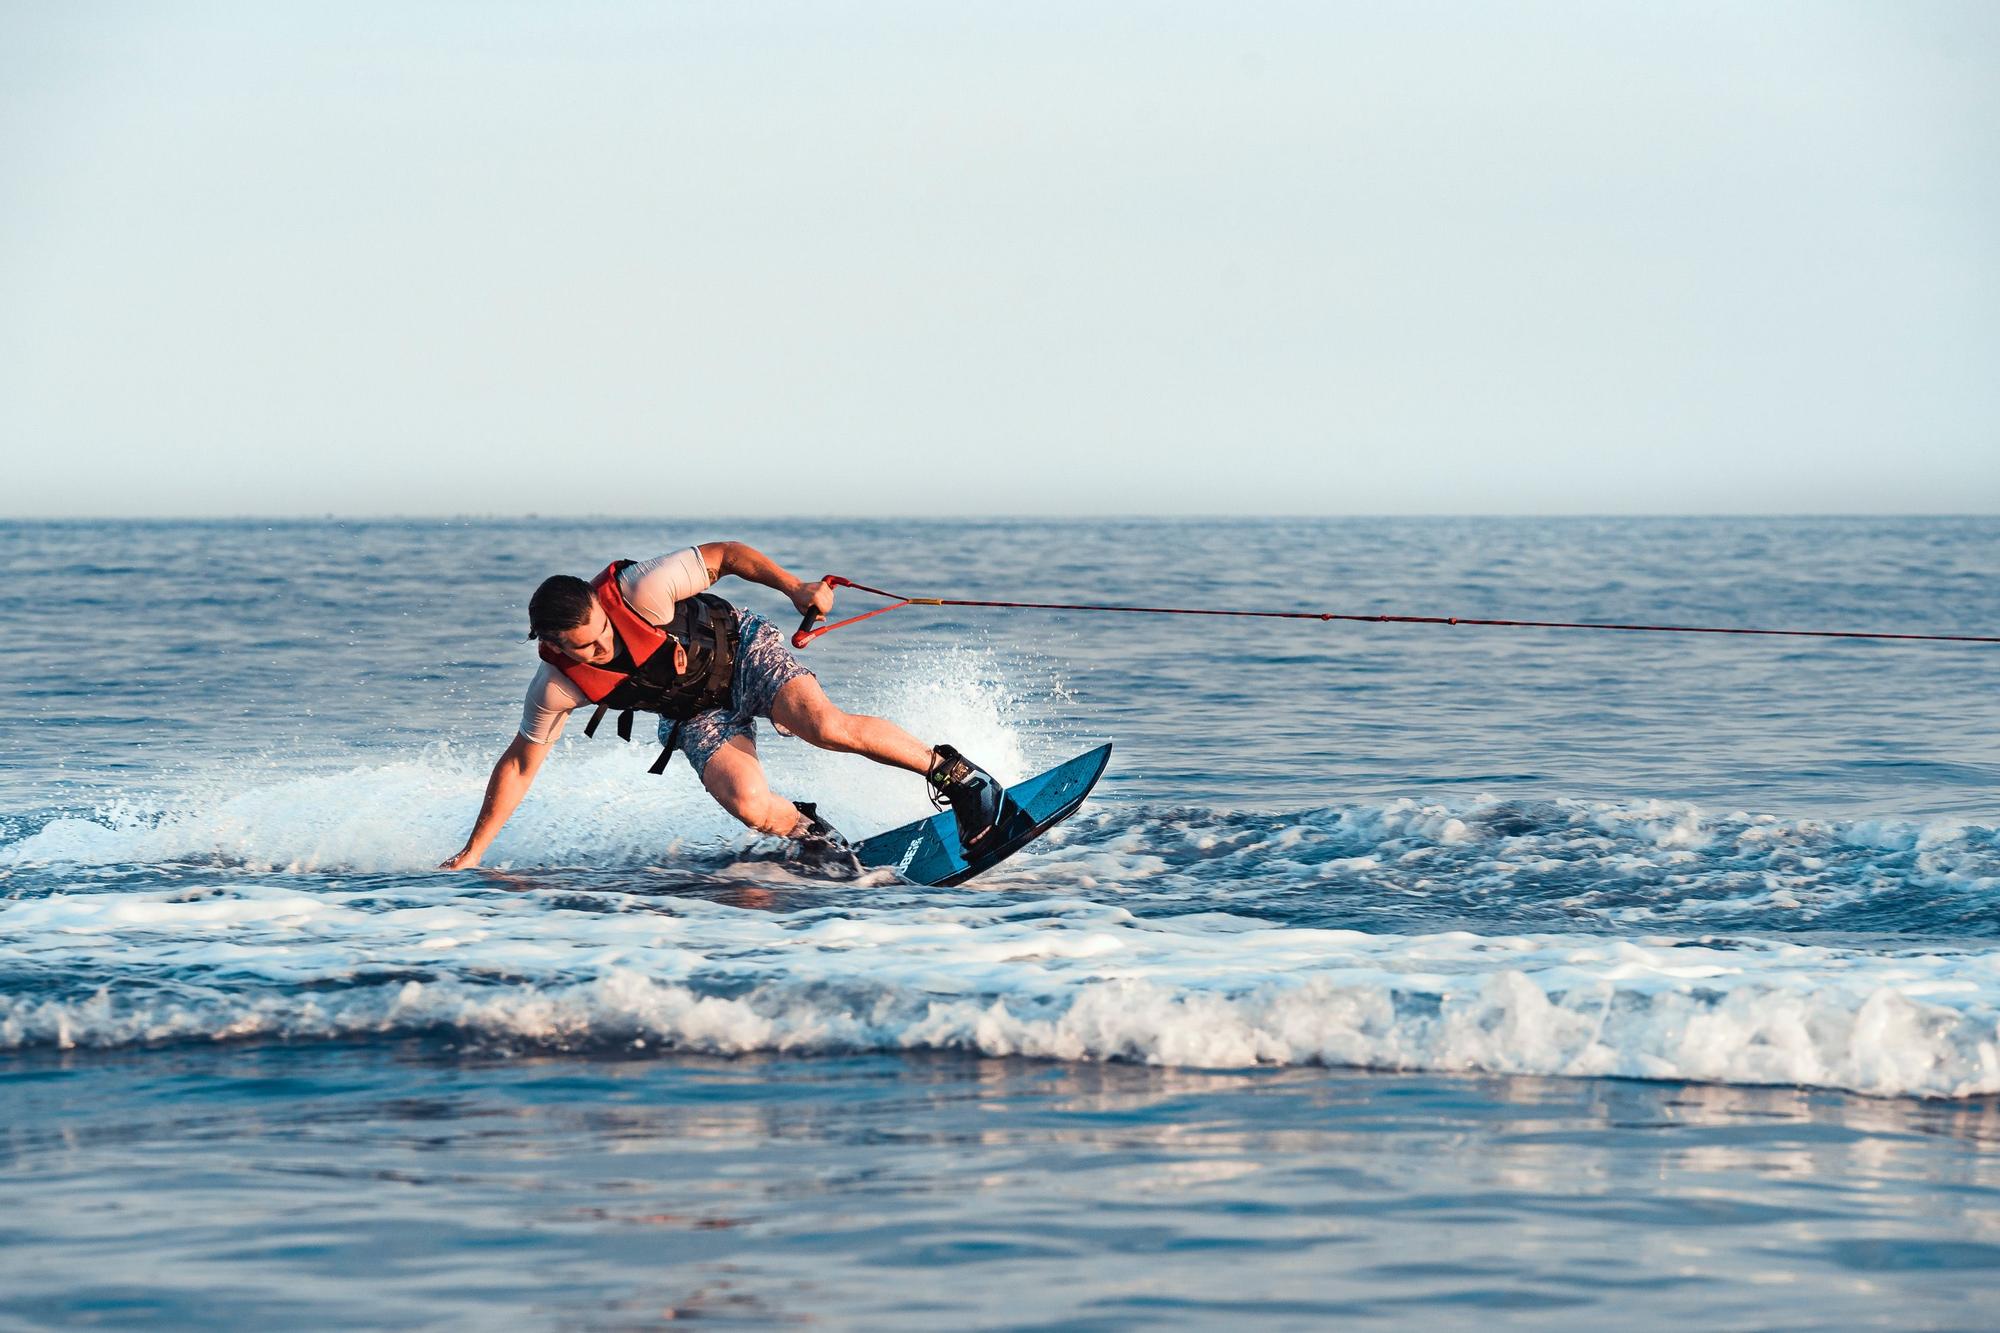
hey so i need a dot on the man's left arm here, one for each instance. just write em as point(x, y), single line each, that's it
point(750, 564)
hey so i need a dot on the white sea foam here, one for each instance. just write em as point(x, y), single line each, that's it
point(1065, 979)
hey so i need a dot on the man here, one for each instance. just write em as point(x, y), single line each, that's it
point(647, 636)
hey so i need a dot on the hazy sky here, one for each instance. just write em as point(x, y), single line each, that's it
point(957, 258)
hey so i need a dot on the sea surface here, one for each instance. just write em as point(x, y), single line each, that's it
point(1396, 975)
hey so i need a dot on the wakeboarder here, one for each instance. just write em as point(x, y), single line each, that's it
point(647, 636)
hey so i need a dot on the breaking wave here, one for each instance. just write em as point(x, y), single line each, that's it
point(1067, 979)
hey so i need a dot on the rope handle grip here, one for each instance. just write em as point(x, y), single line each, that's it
point(806, 633)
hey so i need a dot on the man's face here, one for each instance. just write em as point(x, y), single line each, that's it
point(590, 643)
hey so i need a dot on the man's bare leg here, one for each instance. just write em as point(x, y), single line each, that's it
point(803, 709)
point(978, 801)
point(735, 778)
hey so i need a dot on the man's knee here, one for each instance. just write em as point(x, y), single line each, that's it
point(745, 796)
point(758, 806)
point(736, 781)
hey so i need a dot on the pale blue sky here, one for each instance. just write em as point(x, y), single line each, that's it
point(947, 258)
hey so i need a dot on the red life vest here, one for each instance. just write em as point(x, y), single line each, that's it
point(684, 669)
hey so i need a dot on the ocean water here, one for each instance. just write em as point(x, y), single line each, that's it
point(1393, 973)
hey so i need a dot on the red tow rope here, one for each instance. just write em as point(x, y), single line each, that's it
point(806, 633)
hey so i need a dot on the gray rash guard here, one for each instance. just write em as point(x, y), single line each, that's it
point(650, 588)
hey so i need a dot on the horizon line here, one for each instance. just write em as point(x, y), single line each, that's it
point(536, 516)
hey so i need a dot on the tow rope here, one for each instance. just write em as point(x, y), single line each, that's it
point(807, 633)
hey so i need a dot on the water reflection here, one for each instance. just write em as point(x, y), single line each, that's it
point(1048, 1190)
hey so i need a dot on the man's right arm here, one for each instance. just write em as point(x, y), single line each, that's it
point(512, 776)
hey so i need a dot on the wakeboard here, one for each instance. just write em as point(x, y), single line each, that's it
point(927, 851)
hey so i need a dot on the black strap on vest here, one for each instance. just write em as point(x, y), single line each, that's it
point(625, 734)
point(667, 750)
point(722, 665)
point(624, 723)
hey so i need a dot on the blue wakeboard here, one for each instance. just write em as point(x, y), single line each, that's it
point(928, 851)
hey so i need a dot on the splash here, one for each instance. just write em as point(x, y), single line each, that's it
point(593, 804)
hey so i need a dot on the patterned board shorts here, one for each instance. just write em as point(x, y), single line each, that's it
point(764, 665)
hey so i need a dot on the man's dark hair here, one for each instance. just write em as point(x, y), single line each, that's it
point(562, 602)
